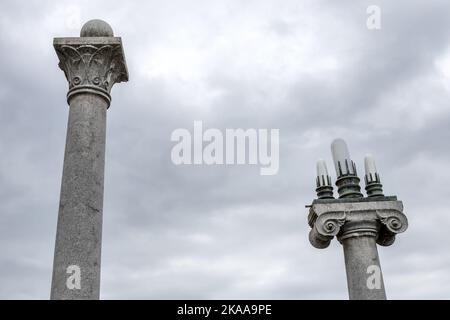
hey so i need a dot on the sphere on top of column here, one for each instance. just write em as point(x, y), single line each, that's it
point(96, 28)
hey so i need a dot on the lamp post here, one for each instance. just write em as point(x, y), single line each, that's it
point(358, 223)
point(92, 64)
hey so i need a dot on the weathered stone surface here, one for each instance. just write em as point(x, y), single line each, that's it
point(92, 65)
point(361, 260)
point(359, 224)
point(79, 229)
point(96, 28)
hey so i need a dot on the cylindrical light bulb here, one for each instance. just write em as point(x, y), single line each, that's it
point(322, 168)
point(341, 158)
point(372, 178)
point(323, 181)
point(369, 165)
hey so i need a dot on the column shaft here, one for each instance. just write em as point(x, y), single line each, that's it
point(364, 276)
point(76, 268)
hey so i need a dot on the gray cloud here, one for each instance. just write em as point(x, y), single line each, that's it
point(309, 68)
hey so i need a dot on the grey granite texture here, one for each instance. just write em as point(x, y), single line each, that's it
point(92, 64)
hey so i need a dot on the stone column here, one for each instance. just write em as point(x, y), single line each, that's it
point(362, 264)
point(359, 224)
point(92, 64)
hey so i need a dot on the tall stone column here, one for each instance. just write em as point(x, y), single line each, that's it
point(358, 223)
point(92, 64)
point(362, 264)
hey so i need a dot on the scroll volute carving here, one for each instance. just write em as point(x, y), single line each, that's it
point(325, 228)
point(392, 223)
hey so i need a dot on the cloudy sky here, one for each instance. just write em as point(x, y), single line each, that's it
point(309, 68)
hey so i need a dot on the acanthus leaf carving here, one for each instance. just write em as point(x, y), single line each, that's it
point(96, 66)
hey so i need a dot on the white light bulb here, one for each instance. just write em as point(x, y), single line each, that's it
point(341, 157)
point(369, 165)
point(322, 168)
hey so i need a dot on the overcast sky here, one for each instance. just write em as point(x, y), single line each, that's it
point(309, 68)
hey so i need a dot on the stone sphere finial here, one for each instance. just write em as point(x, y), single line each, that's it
point(96, 28)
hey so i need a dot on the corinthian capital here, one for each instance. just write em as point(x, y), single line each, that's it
point(92, 63)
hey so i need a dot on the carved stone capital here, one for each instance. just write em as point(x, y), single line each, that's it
point(325, 228)
point(91, 64)
point(392, 223)
point(346, 218)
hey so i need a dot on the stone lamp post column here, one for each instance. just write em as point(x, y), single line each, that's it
point(358, 223)
point(92, 64)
